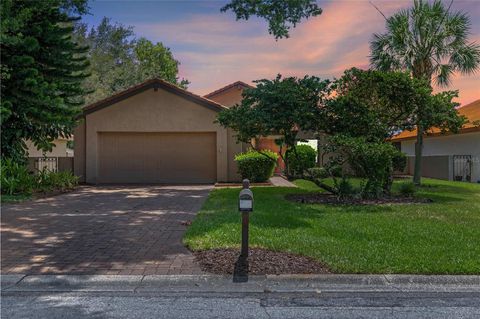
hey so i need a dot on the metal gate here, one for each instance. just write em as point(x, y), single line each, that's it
point(462, 168)
point(46, 163)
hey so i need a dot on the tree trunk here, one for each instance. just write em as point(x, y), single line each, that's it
point(417, 174)
point(319, 150)
point(423, 69)
point(326, 187)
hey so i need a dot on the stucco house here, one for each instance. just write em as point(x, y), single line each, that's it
point(448, 156)
point(154, 132)
point(60, 158)
point(230, 95)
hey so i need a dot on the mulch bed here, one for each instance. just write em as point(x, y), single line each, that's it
point(239, 185)
point(322, 198)
point(260, 262)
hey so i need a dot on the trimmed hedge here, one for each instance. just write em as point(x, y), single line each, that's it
point(257, 167)
point(300, 159)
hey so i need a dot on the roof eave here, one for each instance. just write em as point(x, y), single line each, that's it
point(151, 84)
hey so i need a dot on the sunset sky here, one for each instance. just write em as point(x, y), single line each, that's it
point(215, 50)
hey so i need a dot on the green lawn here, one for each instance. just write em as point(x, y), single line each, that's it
point(442, 237)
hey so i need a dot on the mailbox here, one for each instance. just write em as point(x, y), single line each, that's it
point(245, 200)
point(245, 206)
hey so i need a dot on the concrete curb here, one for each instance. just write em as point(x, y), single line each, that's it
point(224, 284)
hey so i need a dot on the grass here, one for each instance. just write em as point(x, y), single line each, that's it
point(5, 199)
point(442, 237)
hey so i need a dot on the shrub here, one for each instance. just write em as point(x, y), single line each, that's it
point(256, 166)
point(48, 181)
point(399, 161)
point(370, 160)
point(300, 159)
point(407, 189)
point(345, 189)
point(16, 178)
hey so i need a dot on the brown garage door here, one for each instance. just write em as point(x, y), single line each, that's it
point(157, 157)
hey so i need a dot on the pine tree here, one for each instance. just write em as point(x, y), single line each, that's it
point(42, 69)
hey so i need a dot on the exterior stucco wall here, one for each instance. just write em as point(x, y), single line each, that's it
point(59, 150)
point(79, 151)
point(234, 148)
point(449, 145)
point(153, 111)
point(439, 166)
point(228, 97)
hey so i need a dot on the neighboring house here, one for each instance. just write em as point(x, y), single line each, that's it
point(60, 158)
point(448, 156)
point(232, 94)
point(154, 132)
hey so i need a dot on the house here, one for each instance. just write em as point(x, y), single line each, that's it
point(447, 156)
point(60, 158)
point(232, 94)
point(154, 132)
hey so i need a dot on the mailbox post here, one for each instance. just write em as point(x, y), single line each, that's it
point(245, 206)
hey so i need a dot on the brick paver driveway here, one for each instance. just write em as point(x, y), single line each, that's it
point(102, 230)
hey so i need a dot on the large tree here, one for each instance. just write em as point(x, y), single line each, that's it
point(430, 42)
point(368, 107)
point(120, 60)
point(280, 107)
point(281, 15)
point(42, 69)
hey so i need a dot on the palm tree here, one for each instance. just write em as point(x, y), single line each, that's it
point(430, 42)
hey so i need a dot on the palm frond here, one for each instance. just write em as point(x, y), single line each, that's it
point(426, 38)
point(466, 59)
point(444, 74)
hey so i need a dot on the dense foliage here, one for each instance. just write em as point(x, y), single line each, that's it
point(300, 158)
point(373, 104)
point(281, 15)
point(399, 161)
point(256, 166)
point(431, 43)
point(279, 107)
point(368, 107)
point(119, 60)
point(42, 69)
point(372, 161)
point(16, 179)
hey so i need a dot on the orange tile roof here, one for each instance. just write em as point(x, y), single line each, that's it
point(471, 111)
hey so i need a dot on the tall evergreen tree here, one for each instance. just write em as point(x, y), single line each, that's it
point(42, 69)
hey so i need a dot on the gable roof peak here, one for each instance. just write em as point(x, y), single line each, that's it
point(236, 84)
point(154, 83)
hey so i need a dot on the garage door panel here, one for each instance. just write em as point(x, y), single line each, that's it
point(157, 157)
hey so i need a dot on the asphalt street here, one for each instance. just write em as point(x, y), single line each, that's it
point(219, 297)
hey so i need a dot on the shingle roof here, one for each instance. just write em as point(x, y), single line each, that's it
point(471, 111)
point(149, 84)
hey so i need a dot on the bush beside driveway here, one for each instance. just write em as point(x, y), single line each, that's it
point(442, 237)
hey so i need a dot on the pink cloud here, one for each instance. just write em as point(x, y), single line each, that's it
point(215, 50)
